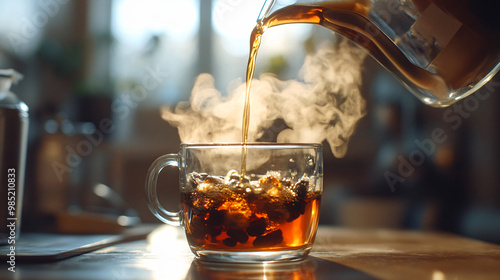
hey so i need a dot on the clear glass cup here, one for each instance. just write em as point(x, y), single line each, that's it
point(268, 214)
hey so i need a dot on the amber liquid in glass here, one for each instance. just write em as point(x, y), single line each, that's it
point(463, 59)
point(268, 214)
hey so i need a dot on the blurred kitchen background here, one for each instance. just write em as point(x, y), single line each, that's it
point(96, 74)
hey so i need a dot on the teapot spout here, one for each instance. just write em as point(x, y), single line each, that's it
point(266, 10)
point(442, 51)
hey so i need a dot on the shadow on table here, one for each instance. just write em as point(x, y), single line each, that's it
point(312, 268)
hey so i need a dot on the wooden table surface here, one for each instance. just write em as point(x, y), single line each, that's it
point(338, 253)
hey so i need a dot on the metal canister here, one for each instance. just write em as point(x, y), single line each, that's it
point(13, 145)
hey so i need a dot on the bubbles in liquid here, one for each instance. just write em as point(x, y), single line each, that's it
point(233, 211)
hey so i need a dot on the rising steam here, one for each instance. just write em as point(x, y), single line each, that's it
point(326, 105)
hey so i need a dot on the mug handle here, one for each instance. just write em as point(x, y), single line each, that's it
point(170, 218)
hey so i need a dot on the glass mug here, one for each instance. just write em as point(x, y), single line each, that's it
point(268, 212)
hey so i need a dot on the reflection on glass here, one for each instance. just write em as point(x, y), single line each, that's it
point(269, 271)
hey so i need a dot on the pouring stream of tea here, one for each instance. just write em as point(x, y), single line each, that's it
point(292, 14)
point(255, 41)
point(440, 78)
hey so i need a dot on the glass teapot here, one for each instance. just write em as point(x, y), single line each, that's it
point(442, 50)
